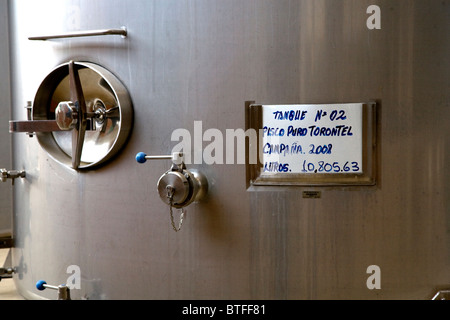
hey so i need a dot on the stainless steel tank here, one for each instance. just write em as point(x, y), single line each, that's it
point(187, 61)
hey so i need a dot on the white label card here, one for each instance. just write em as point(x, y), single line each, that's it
point(312, 139)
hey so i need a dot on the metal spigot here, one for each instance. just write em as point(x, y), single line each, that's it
point(6, 273)
point(63, 290)
point(11, 174)
point(70, 115)
point(178, 187)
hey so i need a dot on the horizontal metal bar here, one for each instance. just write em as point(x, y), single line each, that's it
point(91, 33)
point(33, 126)
point(158, 157)
point(47, 286)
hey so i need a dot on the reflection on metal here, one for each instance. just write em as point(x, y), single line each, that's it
point(33, 126)
point(78, 34)
point(87, 100)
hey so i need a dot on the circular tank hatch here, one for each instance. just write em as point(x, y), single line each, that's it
point(94, 123)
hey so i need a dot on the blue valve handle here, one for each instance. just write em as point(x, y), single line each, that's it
point(140, 157)
point(40, 285)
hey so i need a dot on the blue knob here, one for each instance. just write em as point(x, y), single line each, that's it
point(140, 157)
point(40, 285)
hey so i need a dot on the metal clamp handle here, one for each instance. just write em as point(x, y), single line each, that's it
point(78, 133)
point(91, 33)
point(34, 126)
point(71, 115)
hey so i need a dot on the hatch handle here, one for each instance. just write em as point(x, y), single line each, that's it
point(70, 115)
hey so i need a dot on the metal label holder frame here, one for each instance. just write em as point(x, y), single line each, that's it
point(256, 179)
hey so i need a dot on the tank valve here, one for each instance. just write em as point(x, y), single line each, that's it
point(6, 273)
point(63, 290)
point(11, 174)
point(178, 187)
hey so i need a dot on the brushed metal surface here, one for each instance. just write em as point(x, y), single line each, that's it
point(5, 109)
point(184, 61)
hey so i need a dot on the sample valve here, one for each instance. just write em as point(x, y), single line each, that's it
point(63, 290)
point(6, 273)
point(11, 174)
point(178, 187)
